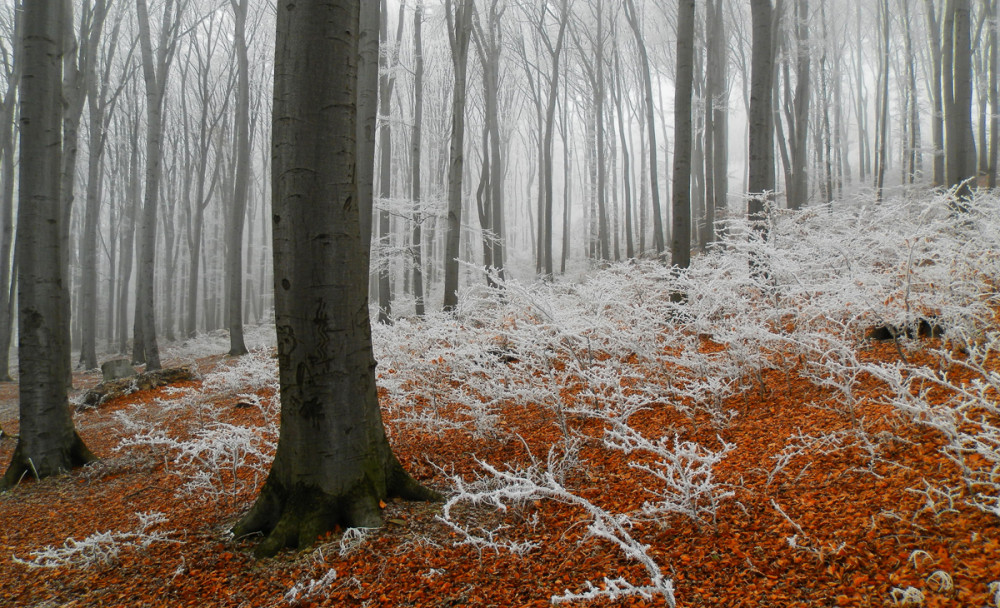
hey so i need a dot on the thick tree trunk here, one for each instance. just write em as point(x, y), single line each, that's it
point(798, 187)
point(761, 160)
point(720, 122)
point(368, 67)
point(937, 95)
point(48, 443)
point(333, 464)
point(680, 242)
point(961, 151)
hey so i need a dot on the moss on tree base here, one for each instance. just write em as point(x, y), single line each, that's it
point(76, 454)
point(295, 516)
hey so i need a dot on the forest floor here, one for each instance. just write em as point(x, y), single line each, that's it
point(860, 529)
point(811, 500)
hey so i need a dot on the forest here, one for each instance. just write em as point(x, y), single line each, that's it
point(499, 303)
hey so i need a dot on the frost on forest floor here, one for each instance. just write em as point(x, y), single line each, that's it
point(746, 444)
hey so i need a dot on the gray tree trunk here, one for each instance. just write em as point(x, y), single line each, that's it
point(937, 96)
point(8, 112)
point(883, 97)
point(647, 82)
point(680, 242)
point(798, 185)
point(154, 70)
point(459, 32)
point(760, 177)
point(387, 83)
point(97, 100)
point(368, 66)
point(333, 463)
point(48, 443)
point(720, 121)
point(416, 238)
point(234, 262)
point(961, 151)
point(994, 86)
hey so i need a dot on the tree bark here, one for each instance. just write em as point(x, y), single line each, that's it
point(48, 443)
point(154, 69)
point(680, 242)
point(761, 160)
point(333, 463)
point(798, 187)
point(647, 82)
point(8, 112)
point(961, 153)
point(416, 238)
point(459, 32)
point(234, 261)
point(883, 97)
point(937, 96)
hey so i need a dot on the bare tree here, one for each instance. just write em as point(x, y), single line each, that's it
point(961, 149)
point(333, 463)
point(12, 62)
point(760, 154)
point(633, 19)
point(416, 237)
point(680, 242)
point(48, 443)
point(459, 16)
point(155, 68)
point(234, 262)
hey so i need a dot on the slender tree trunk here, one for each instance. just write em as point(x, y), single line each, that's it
point(387, 83)
point(761, 163)
point(633, 19)
point(994, 68)
point(416, 239)
point(234, 260)
point(881, 148)
point(154, 74)
point(459, 32)
point(720, 122)
point(8, 113)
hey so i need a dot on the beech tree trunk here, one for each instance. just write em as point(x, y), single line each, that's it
point(7, 170)
point(647, 82)
point(459, 32)
point(761, 158)
point(416, 238)
point(154, 70)
point(234, 261)
point(961, 150)
point(333, 464)
point(680, 242)
point(48, 443)
point(937, 96)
